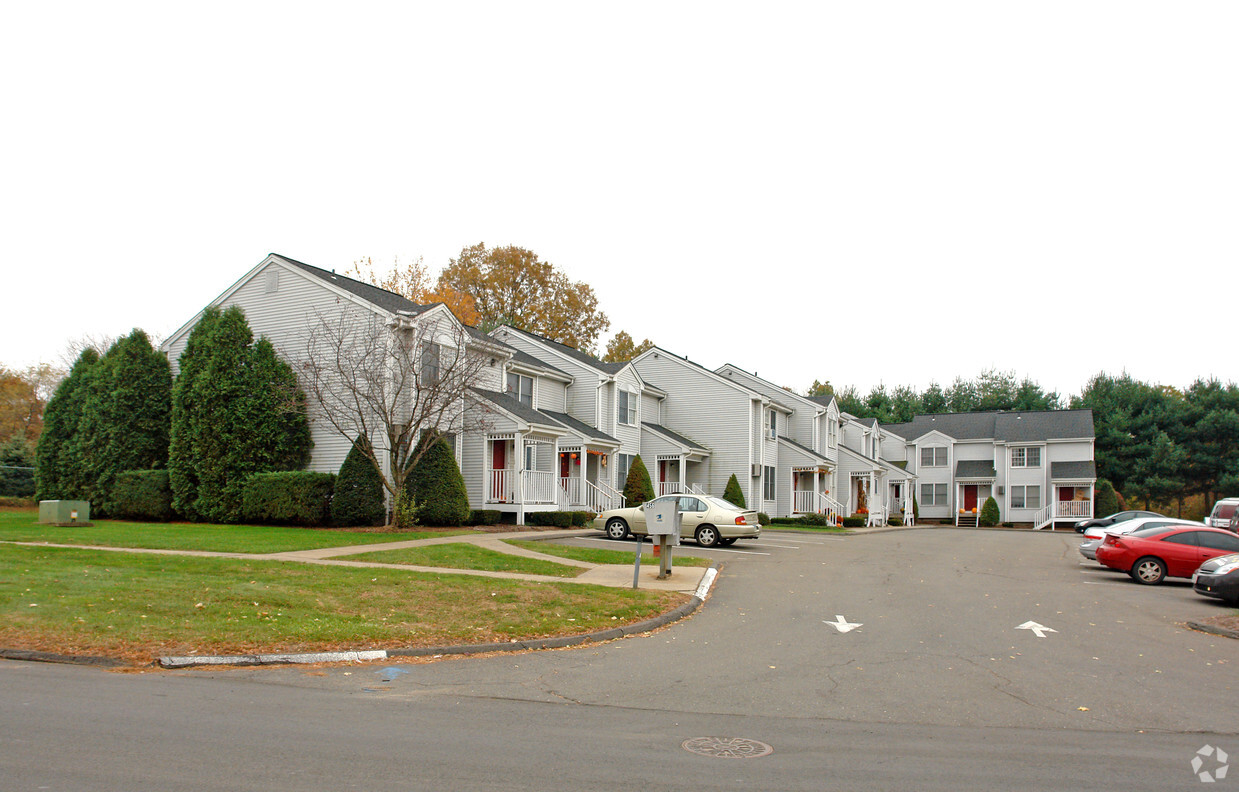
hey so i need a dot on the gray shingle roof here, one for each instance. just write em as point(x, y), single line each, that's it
point(582, 428)
point(576, 354)
point(803, 449)
point(388, 301)
point(975, 469)
point(515, 407)
point(529, 360)
point(1073, 470)
point(1005, 427)
point(679, 438)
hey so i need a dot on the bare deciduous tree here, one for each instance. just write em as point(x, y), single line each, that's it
point(395, 381)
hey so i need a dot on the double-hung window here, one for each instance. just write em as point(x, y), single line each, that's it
point(521, 389)
point(430, 364)
point(1026, 457)
point(933, 494)
point(772, 427)
point(933, 456)
point(768, 486)
point(1026, 496)
point(626, 408)
point(622, 463)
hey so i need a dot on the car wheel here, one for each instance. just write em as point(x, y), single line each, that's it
point(707, 536)
point(617, 529)
point(1149, 570)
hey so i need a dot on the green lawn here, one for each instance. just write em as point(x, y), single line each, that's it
point(463, 555)
point(21, 525)
point(606, 556)
point(81, 601)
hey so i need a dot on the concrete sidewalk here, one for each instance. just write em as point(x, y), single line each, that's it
point(683, 578)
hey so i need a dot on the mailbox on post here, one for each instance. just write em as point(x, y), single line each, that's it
point(662, 523)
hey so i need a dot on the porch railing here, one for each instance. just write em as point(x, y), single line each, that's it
point(522, 486)
point(1062, 510)
point(571, 489)
point(670, 488)
point(809, 502)
point(605, 497)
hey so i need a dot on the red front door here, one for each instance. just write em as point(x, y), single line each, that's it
point(499, 456)
point(970, 497)
point(563, 465)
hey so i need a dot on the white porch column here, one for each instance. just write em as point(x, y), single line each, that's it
point(683, 481)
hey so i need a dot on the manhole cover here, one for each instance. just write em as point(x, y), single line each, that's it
point(727, 747)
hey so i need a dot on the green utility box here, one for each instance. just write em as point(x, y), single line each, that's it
point(64, 512)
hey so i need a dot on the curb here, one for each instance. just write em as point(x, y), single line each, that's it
point(610, 634)
point(1208, 628)
point(51, 657)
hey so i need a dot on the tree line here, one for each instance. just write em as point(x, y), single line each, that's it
point(1155, 444)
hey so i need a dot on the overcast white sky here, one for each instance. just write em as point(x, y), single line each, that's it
point(860, 192)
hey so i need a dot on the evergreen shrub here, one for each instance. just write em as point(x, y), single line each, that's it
point(763, 518)
point(1105, 499)
point(989, 515)
point(555, 519)
point(733, 494)
point(484, 517)
point(438, 488)
point(854, 522)
point(638, 488)
point(358, 497)
point(142, 495)
point(296, 497)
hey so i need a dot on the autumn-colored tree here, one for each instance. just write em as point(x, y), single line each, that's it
point(412, 282)
point(21, 404)
point(511, 285)
point(621, 348)
point(819, 388)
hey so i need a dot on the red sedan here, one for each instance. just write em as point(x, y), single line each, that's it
point(1150, 555)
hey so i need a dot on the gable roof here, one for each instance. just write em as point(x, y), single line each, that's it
point(529, 361)
point(730, 370)
point(1002, 427)
point(975, 469)
point(583, 358)
point(518, 409)
point(656, 351)
point(388, 301)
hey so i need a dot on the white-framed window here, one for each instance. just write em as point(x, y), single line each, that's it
point(626, 408)
point(520, 388)
point(933, 456)
point(772, 426)
point(1026, 496)
point(1026, 457)
point(622, 463)
point(430, 364)
point(933, 495)
point(768, 485)
point(531, 457)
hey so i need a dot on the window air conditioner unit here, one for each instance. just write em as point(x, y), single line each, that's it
point(756, 470)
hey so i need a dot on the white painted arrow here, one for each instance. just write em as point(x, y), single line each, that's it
point(841, 624)
point(1039, 629)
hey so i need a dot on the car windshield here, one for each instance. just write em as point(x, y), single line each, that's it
point(1225, 510)
point(723, 504)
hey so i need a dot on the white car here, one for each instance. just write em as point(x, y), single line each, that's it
point(1093, 537)
point(709, 520)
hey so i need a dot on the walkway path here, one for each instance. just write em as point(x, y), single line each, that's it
point(684, 579)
